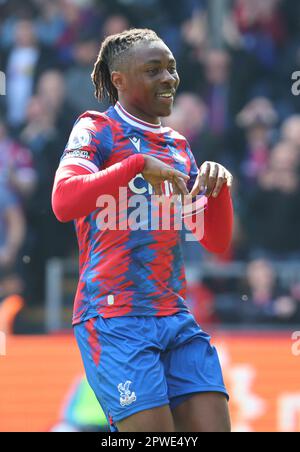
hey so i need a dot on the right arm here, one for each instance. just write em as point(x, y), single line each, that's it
point(76, 191)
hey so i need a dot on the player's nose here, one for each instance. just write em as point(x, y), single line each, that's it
point(169, 79)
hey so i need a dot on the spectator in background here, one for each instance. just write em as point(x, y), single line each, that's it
point(290, 131)
point(114, 24)
point(225, 91)
point(12, 234)
point(261, 290)
point(266, 301)
point(217, 89)
point(77, 16)
point(78, 78)
point(262, 28)
point(256, 33)
point(50, 23)
point(260, 299)
point(11, 11)
point(85, 50)
point(193, 45)
point(44, 137)
point(23, 62)
point(51, 88)
point(17, 181)
point(17, 174)
point(273, 218)
point(257, 118)
point(189, 115)
point(190, 118)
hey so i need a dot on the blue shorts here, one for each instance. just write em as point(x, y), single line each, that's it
point(138, 363)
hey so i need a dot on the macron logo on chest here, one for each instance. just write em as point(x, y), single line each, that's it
point(136, 143)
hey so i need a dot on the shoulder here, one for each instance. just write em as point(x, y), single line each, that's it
point(92, 137)
point(182, 144)
point(90, 129)
point(94, 120)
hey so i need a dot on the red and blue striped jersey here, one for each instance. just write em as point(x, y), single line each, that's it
point(127, 271)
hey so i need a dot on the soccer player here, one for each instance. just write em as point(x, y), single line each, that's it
point(149, 363)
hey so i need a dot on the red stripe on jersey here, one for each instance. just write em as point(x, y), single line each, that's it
point(75, 194)
point(93, 340)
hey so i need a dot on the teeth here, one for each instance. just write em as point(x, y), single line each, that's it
point(166, 95)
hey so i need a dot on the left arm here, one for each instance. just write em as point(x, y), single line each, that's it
point(218, 223)
point(216, 182)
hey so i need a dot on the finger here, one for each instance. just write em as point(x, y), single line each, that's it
point(201, 180)
point(177, 191)
point(158, 189)
point(212, 178)
point(220, 182)
point(175, 188)
point(181, 186)
point(180, 190)
point(204, 176)
point(171, 174)
point(196, 187)
point(229, 180)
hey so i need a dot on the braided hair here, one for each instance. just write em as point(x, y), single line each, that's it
point(111, 54)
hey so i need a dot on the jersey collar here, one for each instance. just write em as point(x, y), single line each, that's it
point(136, 122)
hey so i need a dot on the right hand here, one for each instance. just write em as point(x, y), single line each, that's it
point(155, 172)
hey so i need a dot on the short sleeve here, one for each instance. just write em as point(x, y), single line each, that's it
point(89, 144)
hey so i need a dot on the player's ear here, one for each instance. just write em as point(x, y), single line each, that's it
point(118, 80)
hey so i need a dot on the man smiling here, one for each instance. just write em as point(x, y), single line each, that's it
point(150, 365)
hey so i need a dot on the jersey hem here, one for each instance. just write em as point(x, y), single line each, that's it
point(77, 321)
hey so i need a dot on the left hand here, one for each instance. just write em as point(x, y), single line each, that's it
point(211, 178)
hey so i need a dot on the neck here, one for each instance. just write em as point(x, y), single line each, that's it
point(139, 114)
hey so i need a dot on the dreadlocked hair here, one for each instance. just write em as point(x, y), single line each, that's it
point(111, 49)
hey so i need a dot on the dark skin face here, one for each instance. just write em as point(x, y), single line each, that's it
point(147, 81)
point(148, 70)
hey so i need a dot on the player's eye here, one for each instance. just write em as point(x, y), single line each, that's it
point(153, 71)
point(172, 70)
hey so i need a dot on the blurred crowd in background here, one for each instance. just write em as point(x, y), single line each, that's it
point(234, 105)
